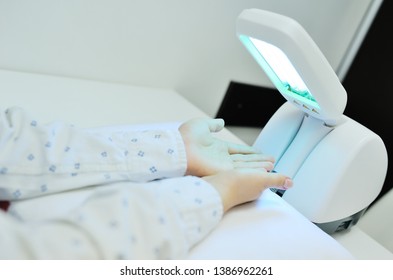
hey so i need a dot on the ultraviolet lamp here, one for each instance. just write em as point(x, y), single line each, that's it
point(338, 165)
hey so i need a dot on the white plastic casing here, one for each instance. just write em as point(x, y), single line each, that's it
point(340, 175)
point(338, 165)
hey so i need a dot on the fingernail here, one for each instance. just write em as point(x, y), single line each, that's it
point(287, 183)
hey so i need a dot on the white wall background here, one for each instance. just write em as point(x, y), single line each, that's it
point(188, 45)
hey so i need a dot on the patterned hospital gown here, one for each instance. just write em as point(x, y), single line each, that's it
point(98, 194)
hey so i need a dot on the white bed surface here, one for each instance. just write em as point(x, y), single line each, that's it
point(267, 229)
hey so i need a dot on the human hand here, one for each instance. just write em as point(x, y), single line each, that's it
point(244, 185)
point(208, 155)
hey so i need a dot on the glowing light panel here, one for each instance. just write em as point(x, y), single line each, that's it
point(279, 69)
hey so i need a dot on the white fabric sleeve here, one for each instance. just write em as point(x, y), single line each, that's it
point(163, 219)
point(38, 159)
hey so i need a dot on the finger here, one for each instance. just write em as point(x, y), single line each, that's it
point(267, 179)
point(279, 181)
point(266, 165)
point(234, 148)
point(215, 125)
point(251, 157)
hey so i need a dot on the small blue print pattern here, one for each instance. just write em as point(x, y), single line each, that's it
point(44, 188)
point(153, 169)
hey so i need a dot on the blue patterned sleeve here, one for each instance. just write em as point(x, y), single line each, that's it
point(163, 219)
point(37, 159)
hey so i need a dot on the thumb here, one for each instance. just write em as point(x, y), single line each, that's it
point(279, 181)
point(215, 125)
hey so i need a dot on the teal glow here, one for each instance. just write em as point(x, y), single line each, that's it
point(279, 69)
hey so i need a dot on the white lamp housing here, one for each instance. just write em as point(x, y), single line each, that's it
point(338, 165)
point(291, 51)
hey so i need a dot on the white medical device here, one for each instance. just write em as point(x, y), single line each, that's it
point(338, 165)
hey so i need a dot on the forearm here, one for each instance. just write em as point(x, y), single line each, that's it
point(157, 220)
point(37, 159)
